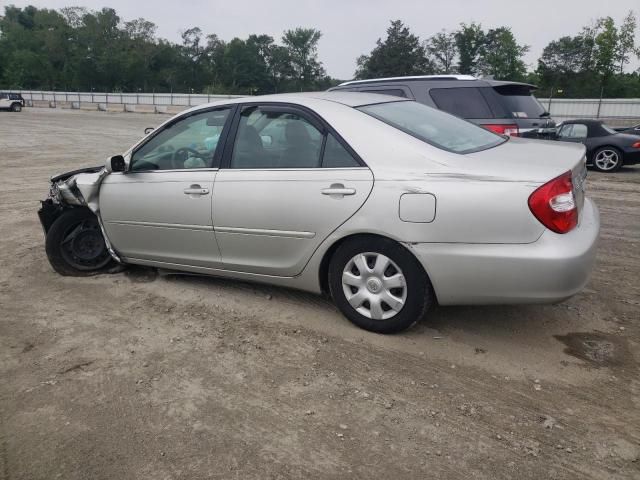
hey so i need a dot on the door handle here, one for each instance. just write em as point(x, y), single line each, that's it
point(196, 190)
point(338, 189)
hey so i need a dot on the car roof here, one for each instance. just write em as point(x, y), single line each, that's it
point(457, 80)
point(350, 99)
point(595, 128)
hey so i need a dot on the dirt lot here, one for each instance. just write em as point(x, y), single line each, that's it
point(138, 376)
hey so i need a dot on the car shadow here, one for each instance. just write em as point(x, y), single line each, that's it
point(476, 325)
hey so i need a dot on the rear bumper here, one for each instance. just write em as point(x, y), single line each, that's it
point(632, 156)
point(549, 270)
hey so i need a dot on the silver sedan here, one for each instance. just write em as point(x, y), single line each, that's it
point(386, 205)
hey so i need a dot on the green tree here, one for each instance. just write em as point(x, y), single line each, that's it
point(470, 40)
point(302, 46)
point(626, 41)
point(401, 53)
point(442, 49)
point(503, 56)
point(606, 42)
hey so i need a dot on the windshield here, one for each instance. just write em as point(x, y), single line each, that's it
point(434, 127)
point(520, 102)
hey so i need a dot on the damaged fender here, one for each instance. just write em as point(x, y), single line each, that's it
point(77, 188)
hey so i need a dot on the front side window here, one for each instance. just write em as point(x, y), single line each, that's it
point(434, 127)
point(189, 143)
point(276, 139)
point(565, 131)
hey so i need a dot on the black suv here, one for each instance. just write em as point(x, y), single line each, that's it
point(11, 101)
point(504, 107)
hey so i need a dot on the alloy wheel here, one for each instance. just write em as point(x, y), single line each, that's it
point(607, 160)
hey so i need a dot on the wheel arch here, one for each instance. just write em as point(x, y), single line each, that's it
point(323, 271)
point(615, 147)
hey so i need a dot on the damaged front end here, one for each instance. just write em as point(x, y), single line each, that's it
point(75, 189)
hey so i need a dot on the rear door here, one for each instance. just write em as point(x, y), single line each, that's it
point(286, 183)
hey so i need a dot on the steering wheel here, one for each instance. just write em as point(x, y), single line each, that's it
point(181, 155)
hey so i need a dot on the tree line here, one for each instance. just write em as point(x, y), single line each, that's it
point(78, 49)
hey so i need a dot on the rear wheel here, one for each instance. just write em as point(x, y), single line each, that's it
point(16, 107)
point(75, 245)
point(607, 159)
point(378, 285)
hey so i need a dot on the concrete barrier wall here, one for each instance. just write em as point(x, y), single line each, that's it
point(615, 111)
point(166, 99)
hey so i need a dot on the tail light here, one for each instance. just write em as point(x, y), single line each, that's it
point(636, 145)
point(511, 130)
point(554, 204)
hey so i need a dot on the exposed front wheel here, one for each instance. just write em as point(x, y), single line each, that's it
point(379, 285)
point(16, 107)
point(75, 245)
point(607, 159)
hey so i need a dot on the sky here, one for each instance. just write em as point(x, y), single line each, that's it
point(350, 28)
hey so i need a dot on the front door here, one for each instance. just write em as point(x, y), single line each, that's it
point(160, 209)
point(287, 182)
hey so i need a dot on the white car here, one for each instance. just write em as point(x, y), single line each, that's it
point(11, 101)
point(386, 204)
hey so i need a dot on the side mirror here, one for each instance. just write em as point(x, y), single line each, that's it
point(117, 163)
point(148, 130)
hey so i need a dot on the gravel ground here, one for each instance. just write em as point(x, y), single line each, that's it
point(140, 376)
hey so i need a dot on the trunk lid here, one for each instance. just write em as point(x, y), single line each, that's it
point(521, 159)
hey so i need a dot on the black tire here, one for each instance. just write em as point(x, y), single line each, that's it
point(75, 245)
point(418, 295)
point(603, 150)
point(16, 107)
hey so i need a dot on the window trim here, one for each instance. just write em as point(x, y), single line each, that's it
point(214, 163)
point(305, 112)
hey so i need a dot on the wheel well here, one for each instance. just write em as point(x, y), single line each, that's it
point(324, 264)
point(606, 146)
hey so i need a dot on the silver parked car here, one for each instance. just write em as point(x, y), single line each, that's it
point(384, 203)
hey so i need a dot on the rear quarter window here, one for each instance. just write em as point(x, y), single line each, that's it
point(396, 92)
point(519, 101)
point(465, 102)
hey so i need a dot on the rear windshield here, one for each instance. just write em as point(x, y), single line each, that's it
point(434, 127)
point(519, 101)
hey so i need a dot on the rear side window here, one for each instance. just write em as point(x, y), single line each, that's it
point(573, 130)
point(396, 92)
point(462, 102)
point(579, 131)
point(336, 156)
